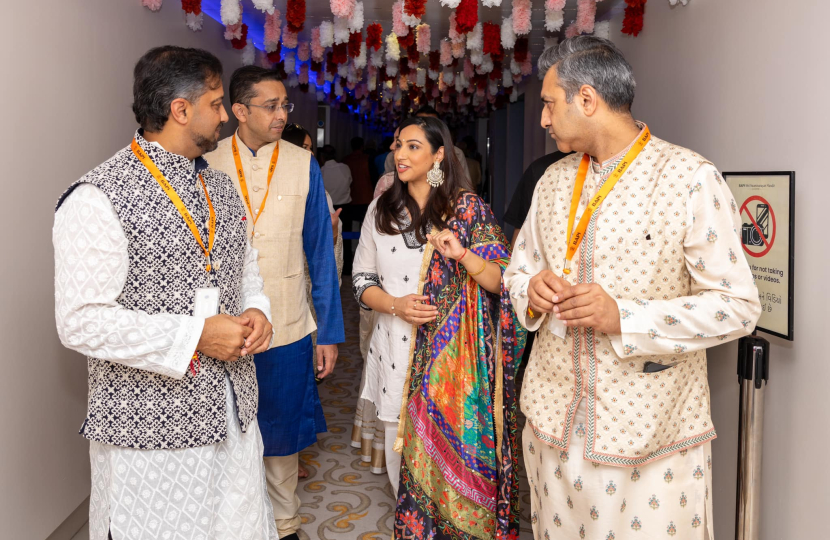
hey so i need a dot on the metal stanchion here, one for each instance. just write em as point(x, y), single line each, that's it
point(753, 373)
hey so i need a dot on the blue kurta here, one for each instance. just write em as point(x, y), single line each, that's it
point(290, 414)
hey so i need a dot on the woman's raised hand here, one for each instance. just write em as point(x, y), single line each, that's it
point(413, 308)
point(447, 244)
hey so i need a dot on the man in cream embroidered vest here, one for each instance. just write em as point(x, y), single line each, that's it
point(629, 266)
point(288, 222)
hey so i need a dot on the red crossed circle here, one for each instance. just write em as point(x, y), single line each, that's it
point(767, 242)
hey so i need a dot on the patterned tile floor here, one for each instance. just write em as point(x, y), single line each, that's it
point(342, 499)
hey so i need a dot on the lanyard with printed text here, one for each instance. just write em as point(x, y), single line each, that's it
point(577, 235)
point(242, 184)
point(177, 202)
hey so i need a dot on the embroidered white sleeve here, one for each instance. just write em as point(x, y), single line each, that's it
point(252, 293)
point(365, 266)
point(724, 302)
point(528, 259)
point(90, 271)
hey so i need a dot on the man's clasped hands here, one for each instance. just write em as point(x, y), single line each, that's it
point(583, 305)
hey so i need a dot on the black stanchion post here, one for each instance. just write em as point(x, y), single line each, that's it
point(753, 373)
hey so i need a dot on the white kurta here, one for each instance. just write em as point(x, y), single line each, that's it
point(210, 492)
point(395, 263)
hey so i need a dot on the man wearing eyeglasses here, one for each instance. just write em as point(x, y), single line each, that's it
point(288, 221)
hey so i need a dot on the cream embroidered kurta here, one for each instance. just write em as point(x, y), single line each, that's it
point(665, 245)
point(208, 492)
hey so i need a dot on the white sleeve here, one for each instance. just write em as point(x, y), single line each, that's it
point(364, 268)
point(252, 293)
point(91, 263)
point(528, 259)
point(723, 303)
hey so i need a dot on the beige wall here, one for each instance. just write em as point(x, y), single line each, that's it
point(744, 82)
point(65, 95)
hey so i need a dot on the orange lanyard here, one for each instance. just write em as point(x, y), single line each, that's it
point(244, 185)
point(177, 202)
point(577, 235)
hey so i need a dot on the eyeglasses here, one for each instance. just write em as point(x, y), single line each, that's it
point(272, 107)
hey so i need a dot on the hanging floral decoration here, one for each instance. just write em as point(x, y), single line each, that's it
point(238, 35)
point(407, 41)
point(193, 15)
point(295, 15)
point(586, 14)
point(492, 40)
point(633, 21)
point(452, 4)
point(230, 12)
point(274, 56)
point(424, 38)
point(272, 31)
point(289, 38)
point(152, 5)
point(342, 8)
point(266, 6)
point(466, 16)
point(355, 40)
point(398, 26)
point(373, 36)
point(356, 20)
point(415, 8)
point(521, 17)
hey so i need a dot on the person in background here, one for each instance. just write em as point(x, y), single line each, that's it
point(468, 146)
point(299, 136)
point(629, 267)
point(371, 151)
point(169, 311)
point(472, 147)
point(442, 363)
point(337, 178)
point(380, 159)
point(278, 182)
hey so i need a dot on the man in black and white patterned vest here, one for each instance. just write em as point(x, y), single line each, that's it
point(156, 284)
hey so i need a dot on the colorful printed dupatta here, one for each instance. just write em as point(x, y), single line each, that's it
point(459, 433)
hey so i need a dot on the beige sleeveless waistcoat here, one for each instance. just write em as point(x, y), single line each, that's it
point(278, 235)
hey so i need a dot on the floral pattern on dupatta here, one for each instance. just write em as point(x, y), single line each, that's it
point(458, 471)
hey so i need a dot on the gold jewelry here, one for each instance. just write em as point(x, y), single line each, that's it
point(530, 313)
point(435, 176)
point(483, 266)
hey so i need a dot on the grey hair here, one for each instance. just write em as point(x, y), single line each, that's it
point(592, 61)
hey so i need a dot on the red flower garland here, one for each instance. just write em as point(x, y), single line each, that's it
point(331, 65)
point(407, 41)
point(295, 15)
point(373, 36)
point(274, 57)
point(520, 50)
point(404, 68)
point(466, 16)
point(340, 53)
point(316, 67)
point(412, 52)
point(633, 21)
point(415, 8)
point(435, 60)
point(492, 37)
point(355, 39)
point(192, 6)
point(241, 42)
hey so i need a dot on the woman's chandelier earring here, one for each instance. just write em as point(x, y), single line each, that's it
point(435, 176)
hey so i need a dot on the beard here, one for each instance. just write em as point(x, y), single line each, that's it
point(207, 143)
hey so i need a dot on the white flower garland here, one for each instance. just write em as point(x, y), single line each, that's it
point(475, 39)
point(356, 20)
point(452, 4)
point(554, 20)
point(603, 29)
point(193, 21)
point(248, 53)
point(230, 11)
point(264, 5)
point(508, 36)
point(326, 34)
point(360, 61)
point(341, 30)
point(393, 48)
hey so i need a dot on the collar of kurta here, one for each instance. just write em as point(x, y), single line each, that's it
point(154, 149)
point(266, 150)
point(598, 167)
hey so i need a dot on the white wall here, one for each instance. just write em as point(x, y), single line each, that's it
point(745, 83)
point(66, 95)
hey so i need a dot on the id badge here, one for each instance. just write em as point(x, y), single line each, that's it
point(207, 302)
point(557, 327)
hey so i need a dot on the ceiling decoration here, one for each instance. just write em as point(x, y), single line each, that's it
point(466, 58)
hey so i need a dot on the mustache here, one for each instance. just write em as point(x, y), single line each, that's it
point(221, 125)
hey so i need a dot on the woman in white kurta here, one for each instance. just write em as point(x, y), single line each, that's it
point(392, 263)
